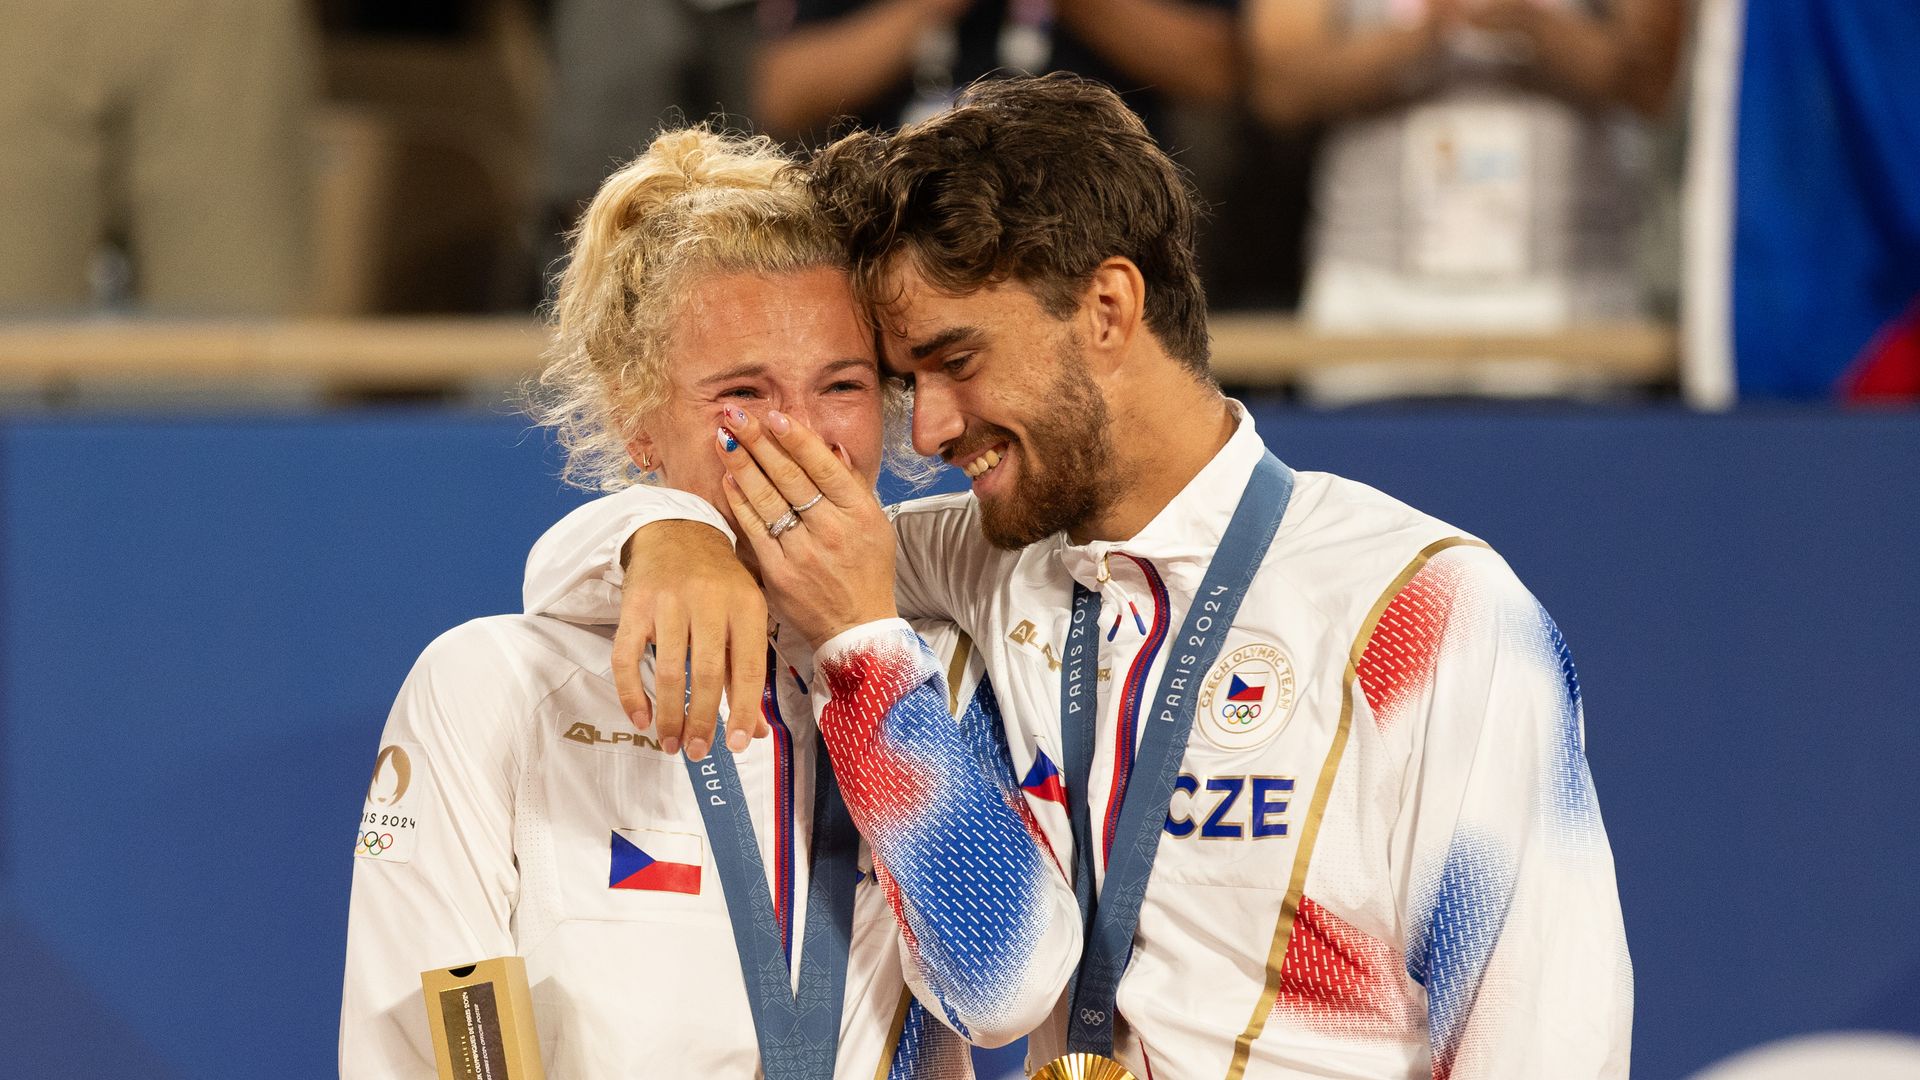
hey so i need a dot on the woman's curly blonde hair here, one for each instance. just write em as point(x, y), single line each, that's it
point(697, 202)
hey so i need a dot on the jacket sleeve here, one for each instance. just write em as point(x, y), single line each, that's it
point(433, 876)
point(989, 923)
point(1511, 913)
point(940, 559)
point(574, 571)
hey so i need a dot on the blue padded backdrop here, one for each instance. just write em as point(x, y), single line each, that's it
point(202, 623)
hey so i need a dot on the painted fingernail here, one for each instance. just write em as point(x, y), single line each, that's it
point(737, 740)
point(778, 421)
point(727, 441)
point(696, 748)
point(736, 416)
point(670, 744)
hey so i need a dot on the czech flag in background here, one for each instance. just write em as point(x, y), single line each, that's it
point(1803, 202)
point(1043, 780)
point(654, 861)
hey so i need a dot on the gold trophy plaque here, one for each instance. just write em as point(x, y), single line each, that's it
point(482, 1020)
point(1083, 1067)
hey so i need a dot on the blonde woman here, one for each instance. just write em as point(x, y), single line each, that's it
point(709, 910)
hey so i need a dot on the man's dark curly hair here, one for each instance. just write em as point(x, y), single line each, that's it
point(1033, 180)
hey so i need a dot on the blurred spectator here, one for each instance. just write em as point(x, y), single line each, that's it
point(424, 19)
point(176, 127)
point(1254, 179)
point(1483, 167)
point(621, 68)
point(888, 62)
point(430, 140)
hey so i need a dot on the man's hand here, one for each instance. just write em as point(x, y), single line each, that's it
point(830, 571)
point(688, 596)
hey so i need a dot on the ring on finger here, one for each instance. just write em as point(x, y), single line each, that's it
point(808, 505)
point(782, 523)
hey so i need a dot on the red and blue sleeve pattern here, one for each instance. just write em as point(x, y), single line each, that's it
point(966, 875)
point(1513, 923)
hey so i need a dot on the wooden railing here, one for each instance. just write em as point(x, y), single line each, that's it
point(372, 357)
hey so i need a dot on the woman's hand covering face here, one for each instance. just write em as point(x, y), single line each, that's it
point(830, 568)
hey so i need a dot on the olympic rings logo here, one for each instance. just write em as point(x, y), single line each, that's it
point(373, 843)
point(1240, 713)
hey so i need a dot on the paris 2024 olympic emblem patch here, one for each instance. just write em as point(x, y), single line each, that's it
point(1247, 697)
point(388, 822)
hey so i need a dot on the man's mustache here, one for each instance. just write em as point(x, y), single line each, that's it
point(973, 441)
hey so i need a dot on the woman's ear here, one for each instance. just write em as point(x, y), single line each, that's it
point(640, 449)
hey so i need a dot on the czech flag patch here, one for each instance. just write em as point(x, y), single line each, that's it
point(1043, 780)
point(654, 861)
point(1239, 689)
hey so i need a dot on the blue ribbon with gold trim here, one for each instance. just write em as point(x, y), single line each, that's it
point(798, 1030)
point(1112, 918)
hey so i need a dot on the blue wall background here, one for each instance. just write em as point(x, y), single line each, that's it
point(202, 624)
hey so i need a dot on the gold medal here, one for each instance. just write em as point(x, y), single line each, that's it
point(1083, 1067)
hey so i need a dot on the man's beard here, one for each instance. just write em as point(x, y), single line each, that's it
point(1064, 462)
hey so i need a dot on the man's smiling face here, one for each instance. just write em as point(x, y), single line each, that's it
point(1002, 392)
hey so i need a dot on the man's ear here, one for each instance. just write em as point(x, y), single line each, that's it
point(1113, 306)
